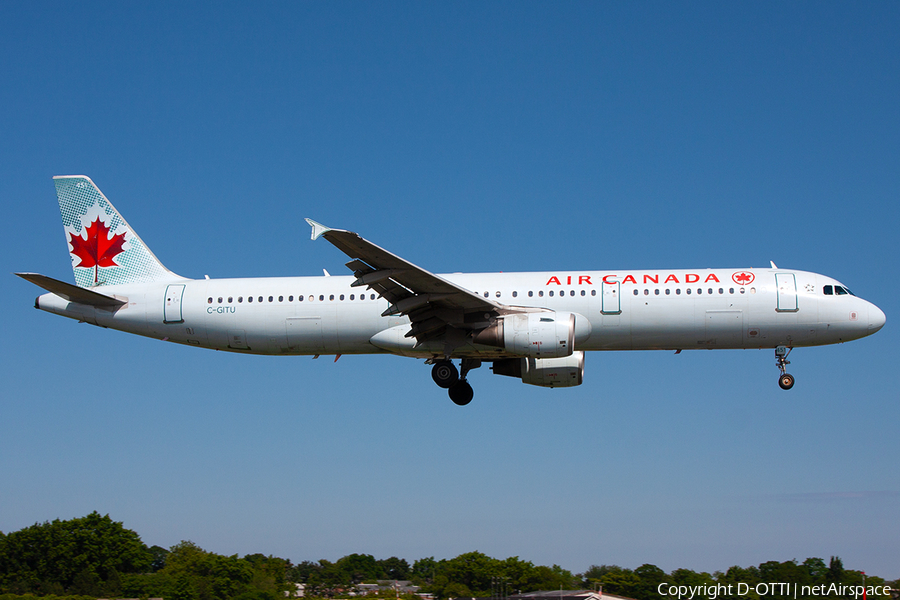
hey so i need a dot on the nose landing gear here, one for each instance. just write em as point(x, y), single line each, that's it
point(785, 380)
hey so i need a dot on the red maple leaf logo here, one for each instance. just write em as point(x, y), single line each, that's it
point(743, 278)
point(98, 249)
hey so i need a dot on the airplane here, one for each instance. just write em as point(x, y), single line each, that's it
point(533, 326)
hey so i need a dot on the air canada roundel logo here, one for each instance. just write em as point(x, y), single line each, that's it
point(743, 277)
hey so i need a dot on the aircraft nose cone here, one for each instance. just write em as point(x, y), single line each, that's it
point(876, 318)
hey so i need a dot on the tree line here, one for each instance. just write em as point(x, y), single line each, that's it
point(95, 557)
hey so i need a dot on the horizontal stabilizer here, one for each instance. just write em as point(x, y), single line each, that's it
point(70, 292)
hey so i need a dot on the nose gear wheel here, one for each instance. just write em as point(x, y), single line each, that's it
point(785, 380)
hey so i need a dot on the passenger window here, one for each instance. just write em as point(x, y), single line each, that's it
point(583, 293)
point(299, 298)
point(515, 294)
point(646, 292)
point(290, 298)
point(230, 299)
point(551, 293)
point(721, 291)
point(271, 298)
point(331, 297)
point(220, 300)
point(730, 290)
point(497, 294)
point(249, 298)
point(710, 291)
point(281, 298)
point(656, 291)
point(260, 298)
point(688, 291)
point(668, 292)
point(677, 291)
point(742, 290)
point(486, 294)
point(321, 298)
point(371, 296)
point(541, 293)
point(699, 290)
point(342, 296)
point(593, 292)
point(240, 299)
point(571, 292)
point(530, 294)
point(210, 300)
point(635, 292)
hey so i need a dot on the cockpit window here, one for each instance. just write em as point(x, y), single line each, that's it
point(837, 290)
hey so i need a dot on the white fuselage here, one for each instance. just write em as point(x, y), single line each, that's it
point(626, 310)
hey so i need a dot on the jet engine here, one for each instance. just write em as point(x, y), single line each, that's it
point(545, 334)
point(545, 372)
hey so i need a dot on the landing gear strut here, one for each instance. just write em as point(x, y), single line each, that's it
point(785, 380)
point(446, 376)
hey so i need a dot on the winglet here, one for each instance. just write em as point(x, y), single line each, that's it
point(317, 229)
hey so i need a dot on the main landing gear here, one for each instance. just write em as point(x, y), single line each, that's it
point(446, 376)
point(785, 380)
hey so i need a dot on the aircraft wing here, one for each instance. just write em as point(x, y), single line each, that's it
point(433, 304)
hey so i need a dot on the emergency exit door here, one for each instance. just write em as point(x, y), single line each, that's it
point(611, 303)
point(172, 308)
point(786, 290)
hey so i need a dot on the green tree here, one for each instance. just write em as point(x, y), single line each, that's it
point(474, 570)
point(157, 558)
point(651, 577)
point(735, 575)
point(394, 568)
point(835, 570)
point(622, 582)
point(357, 568)
point(423, 571)
point(79, 554)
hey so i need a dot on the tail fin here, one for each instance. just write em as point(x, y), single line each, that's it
point(104, 249)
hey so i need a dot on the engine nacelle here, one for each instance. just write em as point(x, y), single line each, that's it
point(545, 334)
point(546, 372)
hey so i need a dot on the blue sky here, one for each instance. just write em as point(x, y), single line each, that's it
point(464, 137)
